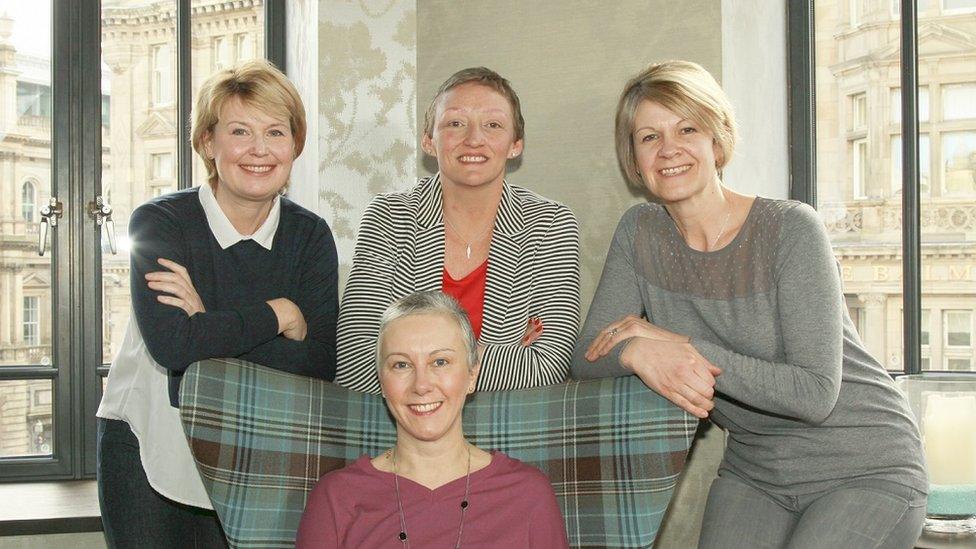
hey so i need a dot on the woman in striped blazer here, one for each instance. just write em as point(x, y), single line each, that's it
point(508, 255)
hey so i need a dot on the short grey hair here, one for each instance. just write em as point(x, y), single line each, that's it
point(430, 303)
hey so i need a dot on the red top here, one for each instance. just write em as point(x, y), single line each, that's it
point(470, 293)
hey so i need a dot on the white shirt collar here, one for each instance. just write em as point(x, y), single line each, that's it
point(224, 231)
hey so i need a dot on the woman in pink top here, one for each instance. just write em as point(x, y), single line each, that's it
point(432, 488)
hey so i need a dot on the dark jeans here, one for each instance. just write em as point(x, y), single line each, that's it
point(135, 515)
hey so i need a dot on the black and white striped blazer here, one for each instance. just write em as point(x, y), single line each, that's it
point(533, 270)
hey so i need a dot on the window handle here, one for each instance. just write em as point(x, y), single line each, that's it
point(49, 218)
point(101, 212)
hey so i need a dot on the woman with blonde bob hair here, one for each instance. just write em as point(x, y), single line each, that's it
point(731, 307)
point(433, 488)
point(228, 269)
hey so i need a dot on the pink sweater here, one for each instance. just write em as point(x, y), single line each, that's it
point(510, 504)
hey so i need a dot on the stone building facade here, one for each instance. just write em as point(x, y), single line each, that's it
point(139, 141)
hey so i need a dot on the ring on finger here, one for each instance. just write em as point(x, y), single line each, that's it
point(612, 332)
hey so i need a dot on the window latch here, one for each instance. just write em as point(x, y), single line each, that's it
point(101, 212)
point(49, 218)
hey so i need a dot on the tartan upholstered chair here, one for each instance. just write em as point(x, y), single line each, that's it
point(262, 438)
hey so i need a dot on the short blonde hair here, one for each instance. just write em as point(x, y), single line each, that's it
point(484, 77)
point(684, 88)
point(257, 83)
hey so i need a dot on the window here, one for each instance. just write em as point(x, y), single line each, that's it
point(244, 46)
point(958, 6)
point(847, 54)
point(106, 115)
point(31, 323)
point(221, 53)
point(924, 165)
point(48, 391)
point(162, 75)
point(161, 166)
point(923, 105)
point(959, 163)
point(27, 201)
point(859, 167)
point(33, 99)
point(859, 112)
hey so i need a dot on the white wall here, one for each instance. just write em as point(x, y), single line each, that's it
point(754, 76)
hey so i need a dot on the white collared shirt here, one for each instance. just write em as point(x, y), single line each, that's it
point(137, 389)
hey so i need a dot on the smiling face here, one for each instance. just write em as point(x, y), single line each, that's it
point(253, 151)
point(425, 376)
point(676, 156)
point(473, 136)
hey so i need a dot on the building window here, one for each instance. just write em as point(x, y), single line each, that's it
point(958, 328)
point(859, 111)
point(33, 99)
point(161, 166)
point(31, 322)
point(923, 104)
point(162, 75)
point(28, 201)
point(959, 163)
point(244, 46)
point(924, 165)
point(221, 53)
point(958, 6)
point(106, 114)
point(859, 167)
point(853, 149)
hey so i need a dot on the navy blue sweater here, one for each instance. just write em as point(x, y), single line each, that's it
point(235, 285)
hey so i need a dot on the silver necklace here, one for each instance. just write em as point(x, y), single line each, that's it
point(403, 523)
point(467, 245)
point(717, 237)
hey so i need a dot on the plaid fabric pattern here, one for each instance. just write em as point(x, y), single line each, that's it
point(262, 438)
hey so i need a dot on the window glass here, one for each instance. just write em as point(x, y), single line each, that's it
point(959, 163)
point(27, 201)
point(27, 410)
point(859, 111)
point(958, 5)
point(163, 74)
point(959, 101)
point(923, 104)
point(25, 185)
point(959, 328)
point(924, 164)
point(859, 167)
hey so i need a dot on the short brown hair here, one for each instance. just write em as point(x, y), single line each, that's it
point(257, 83)
point(485, 77)
point(684, 88)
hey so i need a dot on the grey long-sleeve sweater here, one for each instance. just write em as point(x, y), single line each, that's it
point(805, 406)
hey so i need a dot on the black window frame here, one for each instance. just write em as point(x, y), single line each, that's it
point(75, 244)
point(803, 181)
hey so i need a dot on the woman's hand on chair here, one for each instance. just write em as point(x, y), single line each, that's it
point(176, 282)
point(291, 321)
point(674, 370)
point(665, 361)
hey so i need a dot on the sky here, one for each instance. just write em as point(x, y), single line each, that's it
point(32, 25)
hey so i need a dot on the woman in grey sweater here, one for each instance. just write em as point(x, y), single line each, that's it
point(731, 307)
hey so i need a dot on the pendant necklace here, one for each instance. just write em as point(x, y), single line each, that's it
point(718, 237)
point(403, 523)
point(467, 245)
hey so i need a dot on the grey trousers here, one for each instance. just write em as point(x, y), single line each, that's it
point(860, 514)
